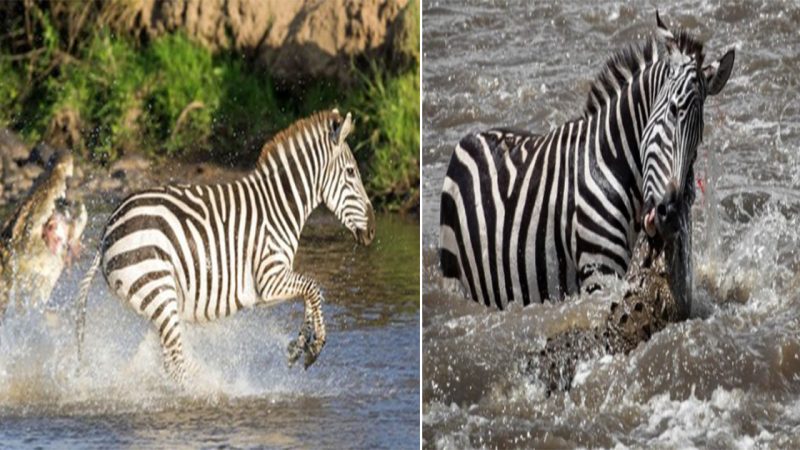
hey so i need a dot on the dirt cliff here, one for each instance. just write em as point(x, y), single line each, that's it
point(291, 38)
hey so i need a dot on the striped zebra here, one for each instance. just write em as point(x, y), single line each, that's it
point(531, 217)
point(187, 253)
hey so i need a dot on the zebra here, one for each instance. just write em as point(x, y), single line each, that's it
point(532, 217)
point(197, 253)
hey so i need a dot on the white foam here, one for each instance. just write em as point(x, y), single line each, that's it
point(122, 367)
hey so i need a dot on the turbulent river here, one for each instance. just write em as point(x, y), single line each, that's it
point(727, 378)
point(363, 391)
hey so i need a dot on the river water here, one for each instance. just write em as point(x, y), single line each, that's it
point(362, 392)
point(727, 378)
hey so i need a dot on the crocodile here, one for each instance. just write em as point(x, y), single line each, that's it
point(658, 292)
point(40, 237)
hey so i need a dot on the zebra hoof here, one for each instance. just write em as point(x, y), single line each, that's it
point(294, 351)
point(313, 351)
point(311, 356)
point(178, 376)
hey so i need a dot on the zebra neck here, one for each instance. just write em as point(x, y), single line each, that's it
point(290, 195)
point(627, 114)
point(619, 120)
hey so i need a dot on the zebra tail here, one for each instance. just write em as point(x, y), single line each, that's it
point(80, 304)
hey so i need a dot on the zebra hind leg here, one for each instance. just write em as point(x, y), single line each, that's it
point(168, 325)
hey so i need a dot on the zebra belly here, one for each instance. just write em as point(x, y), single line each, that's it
point(148, 283)
point(156, 248)
point(542, 268)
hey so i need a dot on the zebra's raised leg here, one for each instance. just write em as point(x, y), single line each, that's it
point(301, 344)
point(311, 338)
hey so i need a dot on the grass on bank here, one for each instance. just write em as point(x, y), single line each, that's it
point(174, 99)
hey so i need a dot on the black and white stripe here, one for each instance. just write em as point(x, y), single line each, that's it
point(181, 254)
point(531, 217)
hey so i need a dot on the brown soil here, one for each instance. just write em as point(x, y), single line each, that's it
point(309, 38)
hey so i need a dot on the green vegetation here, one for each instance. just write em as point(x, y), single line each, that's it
point(389, 110)
point(10, 85)
point(106, 94)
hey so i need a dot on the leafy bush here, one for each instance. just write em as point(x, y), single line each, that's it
point(389, 110)
point(185, 91)
point(103, 89)
point(10, 85)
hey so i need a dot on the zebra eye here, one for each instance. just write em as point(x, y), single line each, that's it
point(351, 172)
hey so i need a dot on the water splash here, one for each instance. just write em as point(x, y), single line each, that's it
point(240, 357)
point(731, 378)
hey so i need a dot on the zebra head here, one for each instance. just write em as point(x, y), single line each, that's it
point(675, 128)
point(342, 189)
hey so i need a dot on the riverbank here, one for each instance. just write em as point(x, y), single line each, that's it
point(115, 82)
point(20, 165)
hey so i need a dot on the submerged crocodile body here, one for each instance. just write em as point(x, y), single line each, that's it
point(40, 237)
point(659, 293)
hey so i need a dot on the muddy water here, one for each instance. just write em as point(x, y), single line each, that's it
point(731, 379)
point(362, 392)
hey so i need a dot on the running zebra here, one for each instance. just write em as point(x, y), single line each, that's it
point(198, 253)
point(531, 217)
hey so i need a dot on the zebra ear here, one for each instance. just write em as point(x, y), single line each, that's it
point(665, 35)
point(717, 74)
point(340, 134)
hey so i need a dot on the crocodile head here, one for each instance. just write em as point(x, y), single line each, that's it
point(41, 236)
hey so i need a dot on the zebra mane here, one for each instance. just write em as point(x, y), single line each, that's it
point(623, 66)
point(690, 46)
point(617, 72)
point(327, 120)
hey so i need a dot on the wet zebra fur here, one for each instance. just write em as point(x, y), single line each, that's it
point(531, 217)
point(194, 253)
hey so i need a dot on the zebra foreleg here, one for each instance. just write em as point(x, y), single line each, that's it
point(311, 338)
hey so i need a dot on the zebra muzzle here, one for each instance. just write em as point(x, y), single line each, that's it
point(364, 236)
point(667, 212)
